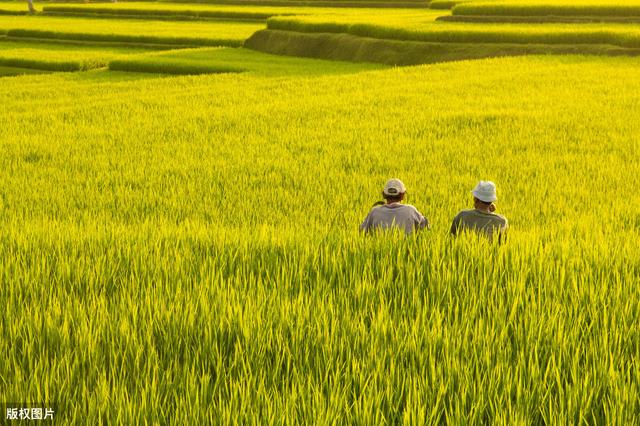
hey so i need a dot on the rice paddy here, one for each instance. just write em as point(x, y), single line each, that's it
point(60, 57)
point(612, 34)
point(126, 30)
point(184, 249)
point(550, 8)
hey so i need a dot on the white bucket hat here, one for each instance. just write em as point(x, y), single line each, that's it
point(394, 187)
point(485, 191)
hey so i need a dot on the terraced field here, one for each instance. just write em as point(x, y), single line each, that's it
point(60, 57)
point(220, 60)
point(179, 215)
point(131, 31)
point(584, 8)
point(617, 35)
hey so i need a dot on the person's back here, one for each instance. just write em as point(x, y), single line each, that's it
point(483, 222)
point(403, 216)
point(394, 214)
point(482, 219)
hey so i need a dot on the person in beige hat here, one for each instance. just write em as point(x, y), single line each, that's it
point(393, 214)
point(482, 218)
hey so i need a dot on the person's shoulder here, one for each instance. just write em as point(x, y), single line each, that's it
point(500, 218)
point(463, 213)
point(411, 208)
point(376, 209)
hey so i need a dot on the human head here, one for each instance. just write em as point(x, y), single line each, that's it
point(484, 194)
point(485, 191)
point(394, 190)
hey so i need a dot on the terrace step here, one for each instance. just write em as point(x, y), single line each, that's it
point(150, 46)
point(149, 17)
point(346, 47)
point(500, 19)
point(411, 4)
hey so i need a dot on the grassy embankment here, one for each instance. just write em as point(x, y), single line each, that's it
point(6, 71)
point(615, 35)
point(411, 42)
point(186, 249)
point(216, 60)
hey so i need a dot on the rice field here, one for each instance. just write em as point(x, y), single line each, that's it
point(13, 6)
point(184, 249)
point(60, 57)
point(550, 8)
point(428, 31)
point(393, 15)
point(139, 287)
point(126, 30)
point(220, 60)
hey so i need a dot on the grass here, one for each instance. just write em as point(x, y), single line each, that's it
point(186, 249)
point(446, 4)
point(124, 30)
point(55, 57)
point(9, 7)
point(392, 4)
point(157, 12)
point(345, 47)
point(218, 60)
point(609, 8)
point(612, 34)
point(6, 71)
point(225, 11)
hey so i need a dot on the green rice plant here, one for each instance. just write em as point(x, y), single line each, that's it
point(346, 47)
point(185, 249)
point(446, 4)
point(161, 8)
point(218, 60)
point(139, 31)
point(375, 4)
point(617, 35)
point(154, 13)
point(497, 19)
point(171, 65)
point(13, 7)
point(51, 57)
point(13, 71)
point(611, 8)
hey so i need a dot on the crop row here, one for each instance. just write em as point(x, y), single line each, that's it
point(127, 31)
point(623, 36)
point(56, 57)
point(153, 13)
point(392, 4)
point(347, 47)
point(59, 57)
point(549, 8)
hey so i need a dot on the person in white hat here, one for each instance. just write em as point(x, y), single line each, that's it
point(482, 218)
point(393, 214)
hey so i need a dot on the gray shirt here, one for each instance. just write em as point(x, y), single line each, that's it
point(485, 223)
point(395, 215)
